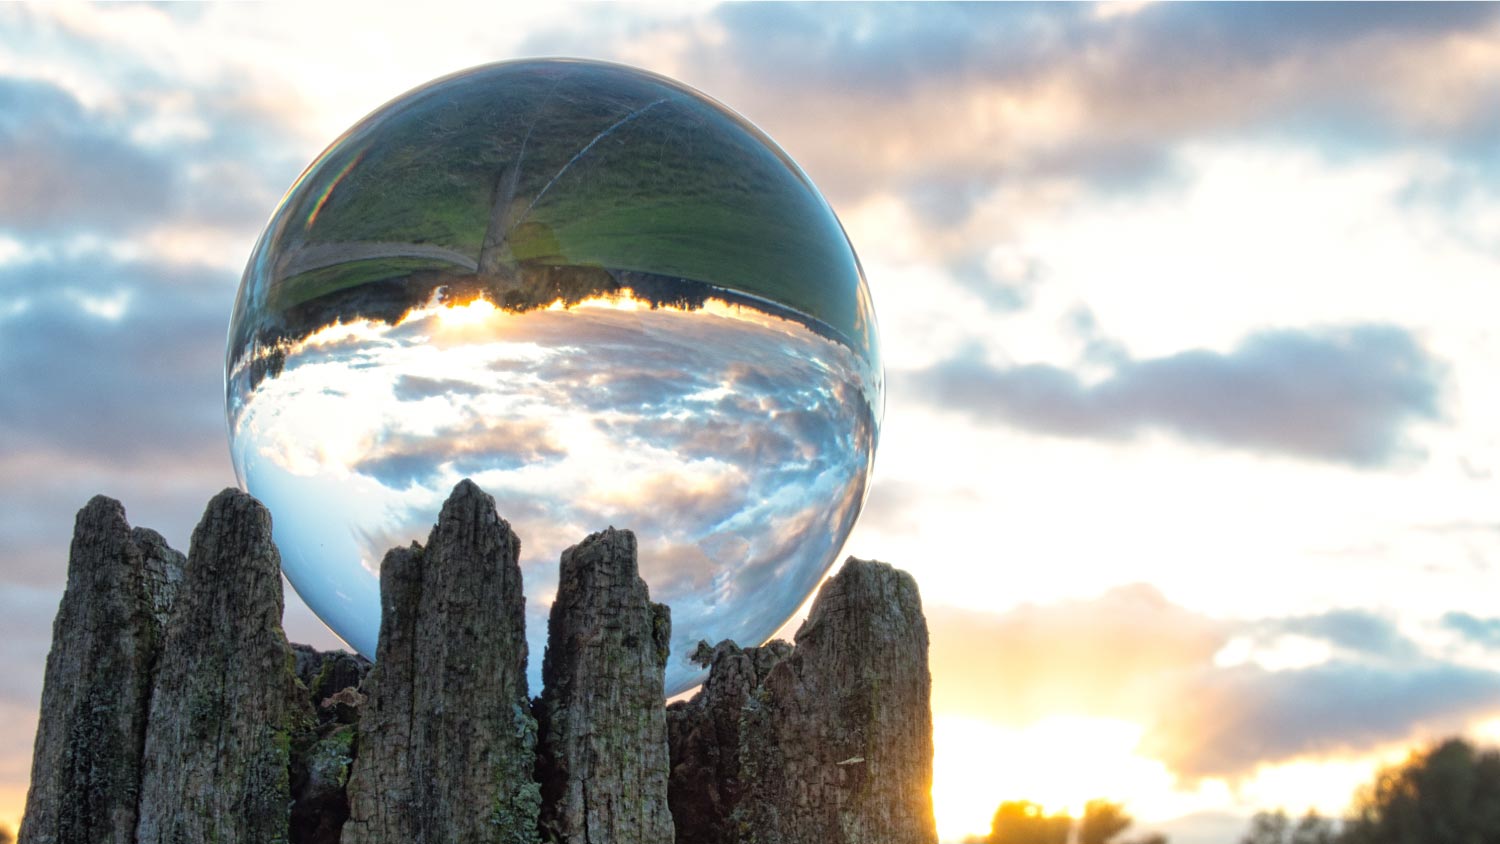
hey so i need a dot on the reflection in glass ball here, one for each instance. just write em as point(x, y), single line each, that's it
point(604, 297)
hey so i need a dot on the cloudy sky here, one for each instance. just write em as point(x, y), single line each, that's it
point(1186, 311)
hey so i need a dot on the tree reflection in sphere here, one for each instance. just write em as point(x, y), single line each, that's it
point(598, 293)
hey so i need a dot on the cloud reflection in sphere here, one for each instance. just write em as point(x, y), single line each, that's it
point(601, 295)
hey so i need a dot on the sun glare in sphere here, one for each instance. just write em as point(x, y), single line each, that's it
point(473, 313)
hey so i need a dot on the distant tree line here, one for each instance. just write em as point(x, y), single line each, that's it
point(1278, 828)
point(1024, 822)
point(1446, 794)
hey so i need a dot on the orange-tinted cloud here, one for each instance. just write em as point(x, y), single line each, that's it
point(1109, 656)
point(1132, 654)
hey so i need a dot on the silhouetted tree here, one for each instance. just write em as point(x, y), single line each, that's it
point(1277, 828)
point(1449, 794)
point(1267, 828)
point(1313, 828)
point(1102, 820)
point(1024, 822)
point(5, 836)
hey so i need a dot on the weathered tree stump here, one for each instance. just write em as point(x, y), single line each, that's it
point(446, 747)
point(226, 707)
point(86, 765)
point(829, 742)
point(602, 757)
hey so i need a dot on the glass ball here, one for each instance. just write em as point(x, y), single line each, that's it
point(604, 297)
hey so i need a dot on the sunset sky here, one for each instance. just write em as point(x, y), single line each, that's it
point(1187, 315)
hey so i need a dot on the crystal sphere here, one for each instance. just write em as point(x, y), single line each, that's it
point(606, 298)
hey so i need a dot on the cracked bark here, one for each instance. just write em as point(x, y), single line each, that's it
point(602, 760)
point(106, 639)
point(446, 747)
point(707, 733)
point(226, 705)
point(830, 743)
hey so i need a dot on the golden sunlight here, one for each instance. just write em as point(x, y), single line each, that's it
point(479, 310)
point(625, 299)
point(1060, 763)
point(474, 312)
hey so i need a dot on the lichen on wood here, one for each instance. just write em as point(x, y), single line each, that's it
point(106, 640)
point(226, 705)
point(602, 758)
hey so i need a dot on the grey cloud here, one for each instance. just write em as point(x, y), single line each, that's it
point(1340, 395)
point(619, 372)
point(1098, 347)
point(416, 388)
point(944, 202)
point(1319, 72)
point(1357, 631)
point(898, 48)
point(1256, 32)
point(146, 385)
point(472, 445)
point(924, 63)
point(63, 168)
point(895, 48)
point(743, 376)
point(130, 407)
point(1228, 721)
point(1481, 631)
point(676, 500)
point(723, 432)
point(814, 429)
point(777, 573)
point(910, 76)
point(675, 508)
point(630, 389)
point(400, 470)
point(67, 168)
point(680, 568)
point(1002, 292)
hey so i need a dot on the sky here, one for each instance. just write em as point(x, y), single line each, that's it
point(1190, 435)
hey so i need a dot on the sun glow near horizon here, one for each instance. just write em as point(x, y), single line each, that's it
point(1061, 762)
